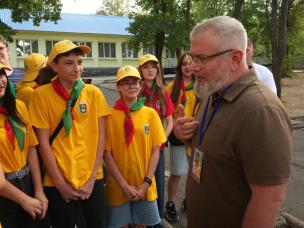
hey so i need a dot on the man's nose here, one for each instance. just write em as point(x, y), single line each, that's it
point(194, 67)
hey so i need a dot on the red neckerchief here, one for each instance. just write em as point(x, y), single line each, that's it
point(128, 124)
point(8, 126)
point(183, 95)
point(148, 94)
point(36, 86)
point(61, 92)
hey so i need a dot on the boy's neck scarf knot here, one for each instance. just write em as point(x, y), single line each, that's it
point(61, 91)
point(128, 124)
point(12, 129)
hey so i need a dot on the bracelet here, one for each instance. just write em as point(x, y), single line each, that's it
point(148, 180)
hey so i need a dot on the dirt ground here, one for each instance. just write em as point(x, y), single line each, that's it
point(293, 91)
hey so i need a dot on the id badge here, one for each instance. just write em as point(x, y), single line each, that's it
point(197, 164)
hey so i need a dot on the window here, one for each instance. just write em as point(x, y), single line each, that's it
point(49, 45)
point(170, 53)
point(25, 47)
point(128, 52)
point(149, 50)
point(106, 50)
point(89, 44)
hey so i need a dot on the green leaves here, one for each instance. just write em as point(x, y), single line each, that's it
point(23, 10)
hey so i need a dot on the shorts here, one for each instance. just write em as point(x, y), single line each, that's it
point(133, 212)
point(179, 163)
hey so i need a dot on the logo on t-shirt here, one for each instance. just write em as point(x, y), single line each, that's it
point(83, 108)
point(146, 129)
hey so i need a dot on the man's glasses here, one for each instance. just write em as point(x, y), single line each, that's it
point(204, 59)
point(128, 84)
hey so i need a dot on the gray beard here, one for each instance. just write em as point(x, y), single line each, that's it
point(202, 91)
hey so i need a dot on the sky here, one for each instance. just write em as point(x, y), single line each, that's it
point(81, 6)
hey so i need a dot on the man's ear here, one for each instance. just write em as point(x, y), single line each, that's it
point(237, 58)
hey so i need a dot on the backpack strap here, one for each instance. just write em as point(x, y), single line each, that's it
point(59, 126)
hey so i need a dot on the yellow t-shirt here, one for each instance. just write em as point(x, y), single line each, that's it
point(132, 161)
point(75, 154)
point(24, 91)
point(190, 99)
point(13, 160)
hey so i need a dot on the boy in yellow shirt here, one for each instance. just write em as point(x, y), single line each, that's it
point(74, 175)
point(134, 135)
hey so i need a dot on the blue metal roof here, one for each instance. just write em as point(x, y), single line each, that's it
point(73, 23)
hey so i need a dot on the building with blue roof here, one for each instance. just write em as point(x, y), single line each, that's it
point(106, 35)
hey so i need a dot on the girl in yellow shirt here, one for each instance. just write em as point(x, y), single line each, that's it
point(21, 195)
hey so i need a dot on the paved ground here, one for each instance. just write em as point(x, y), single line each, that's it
point(294, 202)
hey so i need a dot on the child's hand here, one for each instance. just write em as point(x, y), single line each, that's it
point(142, 191)
point(32, 206)
point(130, 192)
point(44, 203)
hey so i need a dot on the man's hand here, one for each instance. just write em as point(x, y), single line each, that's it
point(184, 127)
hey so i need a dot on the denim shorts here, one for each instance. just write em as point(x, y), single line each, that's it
point(133, 212)
point(179, 164)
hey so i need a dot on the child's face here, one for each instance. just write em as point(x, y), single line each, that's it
point(149, 71)
point(129, 87)
point(69, 68)
point(186, 67)
point(3, 84)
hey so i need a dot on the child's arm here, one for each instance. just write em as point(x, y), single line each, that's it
point(87, 188)
point(129, 190)
point(9, 191)
point(169, 125)
point(33, 162)
point(142, 189)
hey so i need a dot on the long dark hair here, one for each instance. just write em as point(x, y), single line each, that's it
point(47, 73)
point(178, 78)
point(9, 102)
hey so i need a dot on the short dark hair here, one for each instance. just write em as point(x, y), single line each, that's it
point(75, 51)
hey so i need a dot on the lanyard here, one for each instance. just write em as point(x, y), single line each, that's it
point(202, 130)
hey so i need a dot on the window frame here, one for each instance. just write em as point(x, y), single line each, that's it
point(25, 52)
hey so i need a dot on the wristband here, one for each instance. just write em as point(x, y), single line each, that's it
point(148, 180)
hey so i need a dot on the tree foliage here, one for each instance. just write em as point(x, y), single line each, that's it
point(116, 7)
point(23, 10)
point(161, 23)
point(275, 26)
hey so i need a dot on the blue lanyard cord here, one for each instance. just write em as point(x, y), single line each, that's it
point(202, 129)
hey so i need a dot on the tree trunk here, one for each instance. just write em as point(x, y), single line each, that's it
point(188, 16)
point(159, 45)
point(278, 39)
point(237, 8)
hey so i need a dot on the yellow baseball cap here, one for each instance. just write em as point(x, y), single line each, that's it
point(32, 64)
point(4, 67)
point(127, 71)
point(64, 46)
point(146, 58)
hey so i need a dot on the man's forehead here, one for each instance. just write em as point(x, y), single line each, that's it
point(202, 43)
